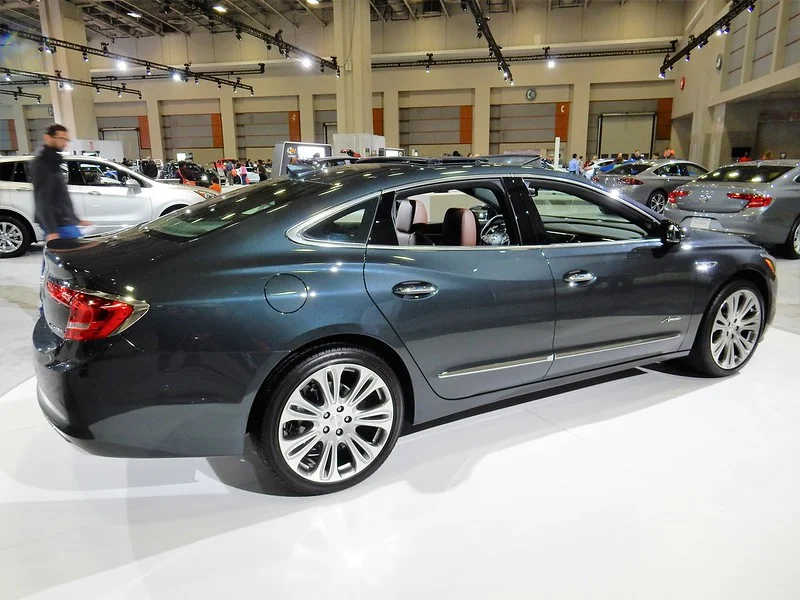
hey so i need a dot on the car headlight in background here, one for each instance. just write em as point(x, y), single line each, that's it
point(206, 194)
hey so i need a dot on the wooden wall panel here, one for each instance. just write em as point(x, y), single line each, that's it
point(377, 121)
point(562, 120)
point(465, 118)
point(664, 119)
point(294, 126)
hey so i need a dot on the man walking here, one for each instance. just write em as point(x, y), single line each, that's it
point(54, 211)
point(574, 165)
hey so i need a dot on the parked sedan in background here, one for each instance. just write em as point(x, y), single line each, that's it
point(109, 204)
point(757, 200)
point(325, 314)
point(649, 182)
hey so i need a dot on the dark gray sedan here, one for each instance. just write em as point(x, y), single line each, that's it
point(324, 315)
point(649, 182)
point(757, 200)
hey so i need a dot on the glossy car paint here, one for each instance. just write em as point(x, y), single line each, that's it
point(766, 225)
point(183, 379)
point(651, 181)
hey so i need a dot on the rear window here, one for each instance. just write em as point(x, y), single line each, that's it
point(630, 169)
point(746, 174)
point(228, 209)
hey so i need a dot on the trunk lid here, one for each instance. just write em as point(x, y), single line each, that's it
point(718, 197)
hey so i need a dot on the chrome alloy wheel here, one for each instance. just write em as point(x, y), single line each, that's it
point(736, 328)
point(11, 237)
point(796, 240)
point(658, 202)
point(335, 423)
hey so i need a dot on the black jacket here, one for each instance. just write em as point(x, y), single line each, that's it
point(53, 206)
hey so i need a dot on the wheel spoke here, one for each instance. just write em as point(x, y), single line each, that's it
point(296, 449)
point(300, 409)
point(362, 452)
point(367, 384)
point(380, 416)
point(328, 469)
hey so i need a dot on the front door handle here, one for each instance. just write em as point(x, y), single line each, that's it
point(579, 277)
point(23, 189)
point(93, 193)
point(414, 290)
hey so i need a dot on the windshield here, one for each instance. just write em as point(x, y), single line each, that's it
point(629, 169)
point(746, 174)
point(235, 207)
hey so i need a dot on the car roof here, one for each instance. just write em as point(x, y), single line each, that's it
point(775, 162)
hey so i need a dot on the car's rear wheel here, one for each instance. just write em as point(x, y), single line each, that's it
point(657, 201)
point(15, 237)
point(792, 246)
point(331, 420)
point(730, 330)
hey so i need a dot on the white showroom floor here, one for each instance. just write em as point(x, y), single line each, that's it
point(651, 484)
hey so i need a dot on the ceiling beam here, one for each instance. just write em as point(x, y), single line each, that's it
point(127, 19)
point(269, 6)
point(444, 8)
point(514, 6)
point(105, 23)
point(410, 10)
point(377, 12)
point(309, 11)
point(153, 17)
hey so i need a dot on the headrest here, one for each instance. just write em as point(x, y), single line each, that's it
point(460, 227)
point(409, 213)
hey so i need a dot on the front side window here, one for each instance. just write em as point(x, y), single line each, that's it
point(571, 215)
point(13, 171)
point(455, 214)
point(673, 170)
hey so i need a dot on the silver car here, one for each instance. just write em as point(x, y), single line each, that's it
point(757, 200)
point(649, 182)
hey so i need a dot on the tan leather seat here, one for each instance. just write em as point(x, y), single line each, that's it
point(460, 227)
point(409, 213)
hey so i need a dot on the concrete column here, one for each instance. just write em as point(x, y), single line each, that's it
point(231, 148)
point(781, 32)
point(701, 124)
point(18, 112)
point(391, 118)
point(154, 125)
point(73, 109)
point(353, 49)
point(307, 117)
point(480, 119)
point(749, 47)
point(719, 147)
point(579, 119)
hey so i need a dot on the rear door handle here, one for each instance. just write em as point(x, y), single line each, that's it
point(414, 290)
point(23, 189)
point(93, 193)
point(579, 277)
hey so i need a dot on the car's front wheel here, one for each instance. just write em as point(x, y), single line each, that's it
point(15, 237)
point(730, 330)
point(331, 420)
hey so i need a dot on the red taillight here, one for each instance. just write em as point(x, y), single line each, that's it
point(672, 197)
point(753, 200)
point(630, 181)
point(90, 317)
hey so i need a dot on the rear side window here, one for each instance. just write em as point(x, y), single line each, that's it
point(747, 174)
point(630, 169)
point(351, 226)
point(228, 209)
point(13, 171)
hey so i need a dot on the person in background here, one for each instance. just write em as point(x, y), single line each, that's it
point(149, 168)
point(745, 158)
point(767, 155)
point(54, 211)
point(619, 160)
point(636, 155)
point(574, 165)
point(229, 171)
point(262, 170)
point(187, 177)
point(456, 153)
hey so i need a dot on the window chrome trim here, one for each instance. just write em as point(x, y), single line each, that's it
point(610, 347)
point(525, 362)
point(295, 232)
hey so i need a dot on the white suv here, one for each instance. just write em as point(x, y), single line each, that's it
point(108, 203)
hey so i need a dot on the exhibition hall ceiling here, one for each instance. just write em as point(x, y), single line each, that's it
point(141, 18)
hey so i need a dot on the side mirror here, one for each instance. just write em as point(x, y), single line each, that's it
point(671, 233)
point(132, 183)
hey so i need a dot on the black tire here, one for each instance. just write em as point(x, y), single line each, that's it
point(657, 201)
point(791, 249)
point(15, 237)
point(269, 432)
point(702, 357)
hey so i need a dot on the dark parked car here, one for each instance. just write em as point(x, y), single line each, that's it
point(324, 314)
point(202, 177)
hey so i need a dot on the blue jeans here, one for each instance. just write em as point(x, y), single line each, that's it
point(69, 231)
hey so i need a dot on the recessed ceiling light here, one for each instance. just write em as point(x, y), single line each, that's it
point(220, 9)
point(135, 15)
point(313, 2)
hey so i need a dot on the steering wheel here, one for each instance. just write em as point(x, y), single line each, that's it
point(494, 232)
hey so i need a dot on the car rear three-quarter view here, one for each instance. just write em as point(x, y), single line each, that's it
point(321, 315)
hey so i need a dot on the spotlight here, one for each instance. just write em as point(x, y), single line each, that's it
point(148, 71)
point(306, 62)
point(702, 43)
point(122, 65)
point(41, 48)
point(16, 97)
point(219, 86)
point(220, 9)
point(511, 82)
point(269, 46)
point(688, 57)
point(252, 92)
point(662, 75)
point(286, 53)
point(752, 7)
point(98, 90)
point(239, 34)
point(196, 80)
point(427, 68)
point(480, 34)
point(134, 15)
point(119, 94)
point(235, 89)
point(8, 76)
point(551, 64)
point(165, 9)
point(176, 76)
point(338, 72)
point(85, 57)
point(68, 87)
point(321, 67)
point(38, 99)
point(727, 29)
point(464, 6)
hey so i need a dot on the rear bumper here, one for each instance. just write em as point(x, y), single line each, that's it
point(750, 224)
point(111, 399)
